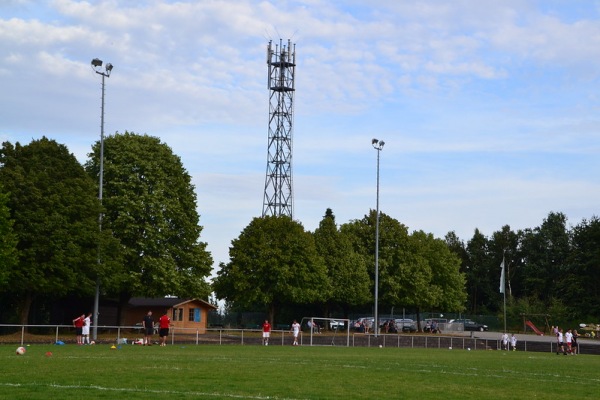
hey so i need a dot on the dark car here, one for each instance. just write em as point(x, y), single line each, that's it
point(470, 325)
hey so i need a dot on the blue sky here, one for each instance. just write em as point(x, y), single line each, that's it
point(489, 109)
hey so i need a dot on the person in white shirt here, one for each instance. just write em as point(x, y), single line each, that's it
point(505, 341)
point(560, 345)
point(513, 342)
point(569, 340)
point(85, 329)
point(295, 332)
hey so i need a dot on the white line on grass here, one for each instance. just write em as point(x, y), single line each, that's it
point(152, 391)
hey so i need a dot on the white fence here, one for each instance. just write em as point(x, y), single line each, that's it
point(121, 335)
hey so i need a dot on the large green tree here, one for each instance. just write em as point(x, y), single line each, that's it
point(477, 273)
point(55, 210)
point(505, 246)
point(581, 282)
point(446, 286)
point(415, 271)
point(150, 207)
point(545, 252)
point(346, 268)
point(8, 241)
point(397, 279)
point(273, 262)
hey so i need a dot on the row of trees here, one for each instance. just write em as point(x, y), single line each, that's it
point(275, 263)
point(51, 247)
point(551, 269)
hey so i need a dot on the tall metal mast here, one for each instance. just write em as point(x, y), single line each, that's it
point(278, 198)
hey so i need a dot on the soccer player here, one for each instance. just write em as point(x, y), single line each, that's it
point(560, 346)
point(574, 344)
point(78, 324)
point(569, 339)
point(295, 332)
point(85, 329)
point(505, 341)
point(163, 328)
point(266, 332)
point(513, 342)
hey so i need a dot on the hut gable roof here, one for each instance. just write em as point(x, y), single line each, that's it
point(165, 302)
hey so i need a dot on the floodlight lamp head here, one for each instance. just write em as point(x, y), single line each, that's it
point(109, 67)
point(381, 143)
point(374, 141)
point(96, 62)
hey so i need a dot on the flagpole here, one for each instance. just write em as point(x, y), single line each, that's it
point(505, 311)
point(503, 288)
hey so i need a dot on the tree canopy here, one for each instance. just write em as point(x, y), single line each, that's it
point(150, 207)
point(273, 262)
point(54, 207)
point(347, 269)
point(415, 271)
point(8, 241)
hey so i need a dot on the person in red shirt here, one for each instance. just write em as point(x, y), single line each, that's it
point(266, 332)
point(78, 324)
point(163, 328)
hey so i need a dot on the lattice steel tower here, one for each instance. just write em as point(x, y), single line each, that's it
point(278, 198)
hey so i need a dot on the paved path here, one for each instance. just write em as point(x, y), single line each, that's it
point(528, 337)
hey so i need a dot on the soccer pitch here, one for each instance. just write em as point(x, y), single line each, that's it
point(286, 372)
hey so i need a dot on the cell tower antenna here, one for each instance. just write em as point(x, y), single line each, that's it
point(279, 195)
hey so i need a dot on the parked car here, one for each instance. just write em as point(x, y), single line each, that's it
point(335, 325)
point(405, 325)
point(470, 325)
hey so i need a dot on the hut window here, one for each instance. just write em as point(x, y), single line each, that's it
point(178, 314)
point(194, 315)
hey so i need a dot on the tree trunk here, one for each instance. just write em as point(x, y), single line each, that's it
point(272, 313)
point(123, 300)
point(24, 308)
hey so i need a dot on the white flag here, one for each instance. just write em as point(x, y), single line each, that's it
point(502, 277)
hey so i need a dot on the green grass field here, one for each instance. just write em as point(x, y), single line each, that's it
point(286, 372)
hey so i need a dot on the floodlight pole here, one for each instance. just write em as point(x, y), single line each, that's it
point(96, 66)
point(377, 145)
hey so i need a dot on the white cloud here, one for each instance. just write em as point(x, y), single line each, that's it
point(489, 109)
